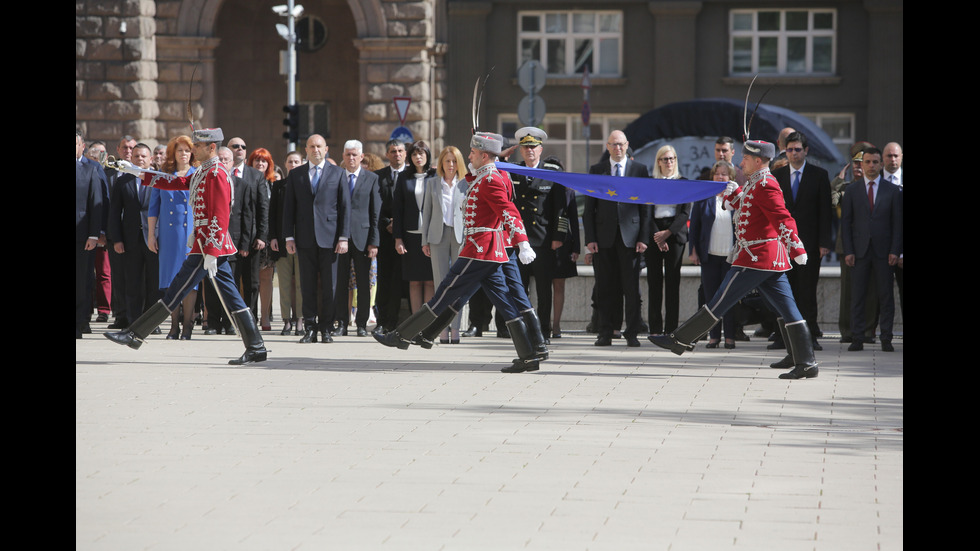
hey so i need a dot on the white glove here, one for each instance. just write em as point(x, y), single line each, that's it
point(525, 253)
point(128, 168)
point(801, 260)
point(731, 187)
point(211, 265)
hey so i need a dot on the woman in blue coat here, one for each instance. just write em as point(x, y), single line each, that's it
point(171, 221)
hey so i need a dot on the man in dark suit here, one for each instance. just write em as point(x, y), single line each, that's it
point(127, 231)
point(362, 247)
point(388, 296)
point(254, 222)
point(88, 225)
point(806, 192)
point(316, 225)
point(871, 225)
point(615, 233)
point(114, 279)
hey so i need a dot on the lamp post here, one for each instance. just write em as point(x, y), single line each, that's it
point(288, 32)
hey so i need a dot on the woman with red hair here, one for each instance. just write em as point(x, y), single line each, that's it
point(261, 160)
point(170, 220)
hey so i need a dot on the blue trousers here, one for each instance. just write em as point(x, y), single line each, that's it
point(499, 281)
point(192, 272)
point(739, 281)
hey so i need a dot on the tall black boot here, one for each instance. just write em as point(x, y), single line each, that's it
point(787, 362)
point(254, 345)
point(403, 335)
point(683, 338)
point(535, 333)
point(799, 341)
point(137, 332)
point(526, 353)
point(428, 336)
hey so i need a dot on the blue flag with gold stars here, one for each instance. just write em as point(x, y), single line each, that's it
point(624, 189)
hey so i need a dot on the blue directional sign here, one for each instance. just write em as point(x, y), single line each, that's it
point(403, 134)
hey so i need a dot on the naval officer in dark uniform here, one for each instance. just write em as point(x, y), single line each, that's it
point(541, 204)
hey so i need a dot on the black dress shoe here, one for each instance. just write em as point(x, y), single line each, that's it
point(102, 318)
point(325, 337)
point(856, 346)
point(886, 346)
point(286, 328)
point(309, 335)
point(801, 372)
point(119, 323)
point(632, 341)
point(603, 341)
point(520, 366)
point(712, 345)
point(730, 345)
point(816, 345)
point(362, 332)
point(668, 342)
point(453, 341)
point(473, 331)
point(339, 332)
point(556, 334)
point(443, 341)
point(125, 337)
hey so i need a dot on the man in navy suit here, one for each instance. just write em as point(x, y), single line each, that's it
point(88, 225)
point(362, 247)
point(316, 226)
point(127, 231)
point(615, 233)
point(806, 192)
point(871, 226)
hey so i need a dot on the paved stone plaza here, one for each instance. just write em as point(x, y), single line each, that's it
point(354, 446)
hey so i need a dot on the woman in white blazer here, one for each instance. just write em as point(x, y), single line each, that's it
point(442, 221)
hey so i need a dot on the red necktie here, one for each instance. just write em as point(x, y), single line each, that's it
point(871, 196)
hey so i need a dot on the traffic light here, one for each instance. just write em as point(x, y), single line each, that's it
point(292, 123)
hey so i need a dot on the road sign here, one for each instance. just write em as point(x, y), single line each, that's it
point(401, 105)
point(531, 76)
point(403, 134)
point(531, 110)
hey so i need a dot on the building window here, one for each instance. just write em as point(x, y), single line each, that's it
point(565, 137)
point(567, 42)
point(840, 128)
point(783, 42)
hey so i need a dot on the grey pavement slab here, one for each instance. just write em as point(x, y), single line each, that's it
point(352, 445)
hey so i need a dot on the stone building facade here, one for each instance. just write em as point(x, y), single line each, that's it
point(138, 62)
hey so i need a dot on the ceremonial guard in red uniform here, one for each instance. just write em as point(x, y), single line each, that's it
point(210, 249)
point(765, 240)
point(490, 223)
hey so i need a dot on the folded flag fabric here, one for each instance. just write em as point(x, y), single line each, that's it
point(654, 191)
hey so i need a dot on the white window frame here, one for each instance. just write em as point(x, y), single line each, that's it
point(569, 35)
point(783, 37)
point(843, 140)
point(571, 149)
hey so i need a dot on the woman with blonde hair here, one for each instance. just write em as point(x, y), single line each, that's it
point(170, 221)
point(665, 254)
point(442, 221)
